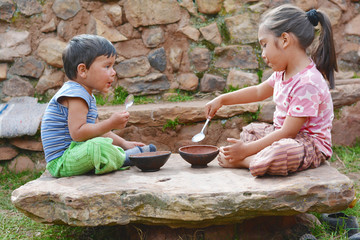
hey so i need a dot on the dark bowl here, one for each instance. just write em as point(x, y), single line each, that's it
point(150, 161)
point(198, 155)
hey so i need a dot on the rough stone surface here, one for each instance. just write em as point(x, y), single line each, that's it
point(188, 81)
point(51, 78)
point(152, 37)
point(3, 71)
point(241, 28)
point(209, 6)
point(190, 32)
point(27, 66)
point(170, 197)
point(157, 59)
point(66, 9)
point(7, 153)
point(28, 7)
point(7, 9)
point(27, 144)
point(21, 163)
point(14, 44)
point(210, 81)
point(211, 33)
point(150, 84)
point(241, 79)
point(145, 13)
point(242, 56)
point(50, 50)
point(17, 86)
point(200, 58)
point(133, 67)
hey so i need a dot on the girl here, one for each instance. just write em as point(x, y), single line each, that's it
point(300, 136)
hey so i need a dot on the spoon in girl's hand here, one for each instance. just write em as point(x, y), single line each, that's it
point(200, 136)
point(129, 101)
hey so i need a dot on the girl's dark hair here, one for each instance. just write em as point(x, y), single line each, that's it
point(85, 49)
point(291, 19)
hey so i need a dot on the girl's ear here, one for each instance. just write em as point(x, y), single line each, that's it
point(285, 39)
point(81, 69)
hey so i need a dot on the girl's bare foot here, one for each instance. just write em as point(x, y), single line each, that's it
point(223, 162)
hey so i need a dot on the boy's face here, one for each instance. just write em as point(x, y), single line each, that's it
point(101, 74)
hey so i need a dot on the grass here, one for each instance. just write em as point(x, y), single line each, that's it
point(15, 225)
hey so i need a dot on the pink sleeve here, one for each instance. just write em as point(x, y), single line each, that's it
point(271, 79)
point(305, 102)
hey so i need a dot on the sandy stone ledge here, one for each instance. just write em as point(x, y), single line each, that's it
point(180, 196)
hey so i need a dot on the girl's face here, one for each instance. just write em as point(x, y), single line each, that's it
point(272, 51)
point(101, 74)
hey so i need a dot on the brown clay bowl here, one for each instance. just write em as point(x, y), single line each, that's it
point(150, 161)
point(198, 155)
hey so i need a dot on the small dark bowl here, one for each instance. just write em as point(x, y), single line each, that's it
point(198, 155)
point(150, 161)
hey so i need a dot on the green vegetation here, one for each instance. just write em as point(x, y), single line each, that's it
point(230, 88)
point(171, 124)
point(180, 96)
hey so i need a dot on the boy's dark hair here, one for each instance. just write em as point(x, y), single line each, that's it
point(85, 49)
point(291, 19)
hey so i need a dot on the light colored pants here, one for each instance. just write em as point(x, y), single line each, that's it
point(284, 156)
point(97, 154)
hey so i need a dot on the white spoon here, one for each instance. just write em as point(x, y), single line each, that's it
point(200, 136)
point(129, 101)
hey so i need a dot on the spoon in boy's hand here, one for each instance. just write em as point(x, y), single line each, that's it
point(129, 101)
point(200, 136)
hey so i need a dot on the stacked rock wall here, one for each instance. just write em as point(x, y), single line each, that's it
point(162, 45)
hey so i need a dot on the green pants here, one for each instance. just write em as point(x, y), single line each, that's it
point(82, 157)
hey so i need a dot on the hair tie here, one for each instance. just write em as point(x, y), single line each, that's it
point(312, 15)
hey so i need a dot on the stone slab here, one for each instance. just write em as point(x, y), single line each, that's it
point(181, 196)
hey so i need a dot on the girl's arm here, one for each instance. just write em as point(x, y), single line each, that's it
point(80, 130)
point(240, 150)
point(245, 95)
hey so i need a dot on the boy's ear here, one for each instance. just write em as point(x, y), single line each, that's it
point(82, 70)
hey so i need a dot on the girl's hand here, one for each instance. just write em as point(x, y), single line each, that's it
point(212, 107)
point(131, 144)
point(119, 120)
point(235, 152)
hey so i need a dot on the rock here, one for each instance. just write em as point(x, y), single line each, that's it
point(188, 81)
point(74, 26)
point(133, 67)
point(211, 33)
point(153, 83)
point(353, 28)
point(97, 27)
point(66, 9)
point(49, 27)
point(28, 67)
point(21, 163)
point(7, 9)
point(17, 87)
point(7, 153)
point(28, 7)
point(170, 197)
point(212, 83)
point(241, 27)
point(131, 48)
point(151, 12)
point(3, 71)
point(241, 79)
point(175, 57)
point(51, 78)
point(114, 12)
point(157, 59)
point(241, 56)
point(50, 50)
point(27, 144)
point(200, 58)
point(209, 6)
point(152, 37)
point(14, 44)
point(191, 32)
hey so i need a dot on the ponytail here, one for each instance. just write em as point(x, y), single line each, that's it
point(324, 54)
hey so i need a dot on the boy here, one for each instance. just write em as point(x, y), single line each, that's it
point(74, 140)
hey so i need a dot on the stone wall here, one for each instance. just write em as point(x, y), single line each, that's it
point(162, 45)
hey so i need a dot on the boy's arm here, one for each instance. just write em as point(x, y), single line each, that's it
point(80, 130)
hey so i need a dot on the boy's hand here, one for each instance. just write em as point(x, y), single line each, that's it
point(131, 144)
point(119, 119)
